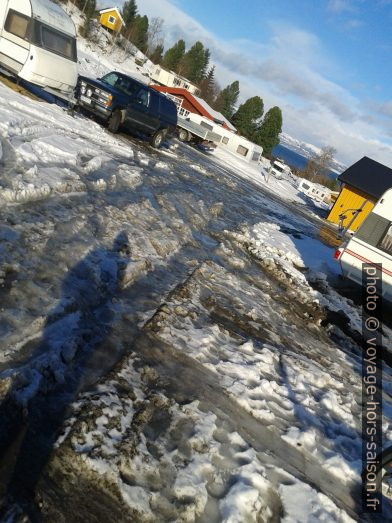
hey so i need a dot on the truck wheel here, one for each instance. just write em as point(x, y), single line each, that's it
point(183, 135)
point(157, 138)
point(114, 121)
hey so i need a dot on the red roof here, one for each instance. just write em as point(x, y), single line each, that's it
point(180, 91)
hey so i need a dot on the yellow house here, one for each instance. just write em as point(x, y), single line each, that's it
point(364, 183)
point(111, 19)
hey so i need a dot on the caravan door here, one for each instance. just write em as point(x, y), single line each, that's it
point(15, 20)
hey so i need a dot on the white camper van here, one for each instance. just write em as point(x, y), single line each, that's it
point(372, 243)
point(280, 170)
point(38, 44)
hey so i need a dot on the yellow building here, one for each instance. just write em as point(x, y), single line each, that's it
point(111, 19)
point(363, 184)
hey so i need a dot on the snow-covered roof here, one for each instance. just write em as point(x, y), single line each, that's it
point(108, 9)
point(53, 15)
point(215, 114)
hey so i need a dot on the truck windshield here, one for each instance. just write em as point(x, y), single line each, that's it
point(53, 40)
point(122, 83)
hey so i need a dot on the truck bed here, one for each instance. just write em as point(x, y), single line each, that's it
point(198, 130)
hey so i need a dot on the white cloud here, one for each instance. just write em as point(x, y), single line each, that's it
point(291, 70)
point(339, 6)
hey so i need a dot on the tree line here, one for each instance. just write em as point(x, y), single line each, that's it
point(194, 64)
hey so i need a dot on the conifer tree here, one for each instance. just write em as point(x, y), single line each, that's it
point(208, 86)
point(248, 115)
point(139, 32)
point(267, 134)
point(174, 55)
point(129, 12)
point(157, 54)
point(226, 99)
point(194, 63)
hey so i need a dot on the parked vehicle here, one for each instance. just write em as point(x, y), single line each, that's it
point(121, 100)
point(206, 146)
point(189, 131)
point(372, 243)
point(279, 169)
point(38, 44)
point(320, 195)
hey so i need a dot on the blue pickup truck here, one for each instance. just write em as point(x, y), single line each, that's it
point(122, 101)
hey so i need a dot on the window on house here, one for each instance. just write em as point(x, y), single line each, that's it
point(225, 140)
point(17, 24)
point(111, 19)
point(386, 242)
point(243, 151)
point(183, 112)
point(176, 100)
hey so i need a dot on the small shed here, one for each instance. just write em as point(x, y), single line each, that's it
point(111, 19)
point(363, 184)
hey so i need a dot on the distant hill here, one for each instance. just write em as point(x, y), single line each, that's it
point(308, 150)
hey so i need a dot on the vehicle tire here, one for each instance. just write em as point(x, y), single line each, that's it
point(114, 121)
point(183, 135)
point(157, 138)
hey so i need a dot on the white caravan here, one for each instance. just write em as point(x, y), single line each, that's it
point(372, 243)
point(38, 44)
point(279, 169)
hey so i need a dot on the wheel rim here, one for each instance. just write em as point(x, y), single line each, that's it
point(158, 139)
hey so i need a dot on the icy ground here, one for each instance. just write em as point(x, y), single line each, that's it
point(173, 344)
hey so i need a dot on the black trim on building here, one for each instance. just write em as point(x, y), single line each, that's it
point(369, 176)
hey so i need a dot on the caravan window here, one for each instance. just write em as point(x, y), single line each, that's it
point(207, 126)
point(56, 42)
point(17, 24)
point(386, 242)
point(53, 40)
point(373, 229)
point(242, 150)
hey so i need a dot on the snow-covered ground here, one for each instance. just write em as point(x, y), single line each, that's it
point(169, 329)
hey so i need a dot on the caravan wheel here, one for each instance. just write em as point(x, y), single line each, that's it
point(183, 135)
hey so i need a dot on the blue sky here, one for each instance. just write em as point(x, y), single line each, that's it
point(326, 63)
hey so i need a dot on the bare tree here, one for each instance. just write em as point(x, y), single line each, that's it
point(154, 34)
point(320, 165)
